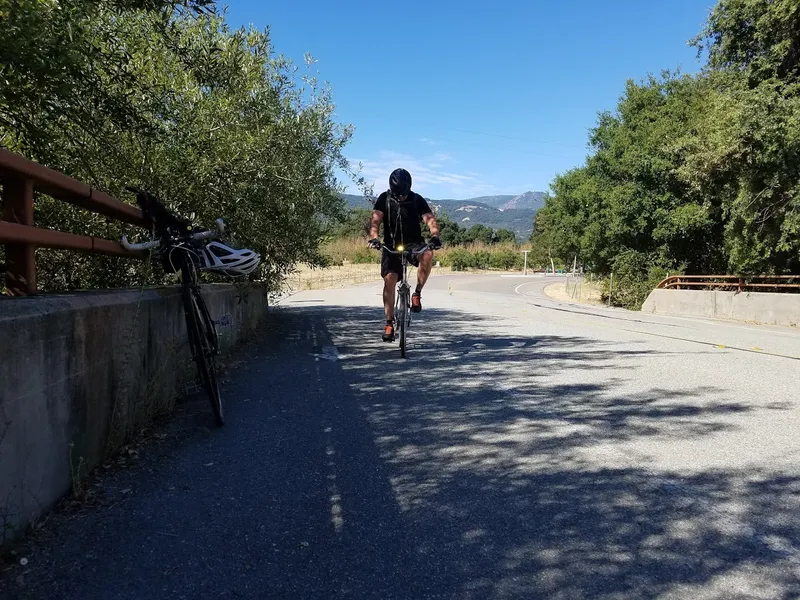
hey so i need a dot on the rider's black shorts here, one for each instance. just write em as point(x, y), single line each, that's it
point(392, 263)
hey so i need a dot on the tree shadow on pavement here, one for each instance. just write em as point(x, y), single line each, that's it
point(493, 463)
point(491, 444)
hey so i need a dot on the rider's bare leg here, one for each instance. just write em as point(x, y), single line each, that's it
point(389, 286)
point(424, 269)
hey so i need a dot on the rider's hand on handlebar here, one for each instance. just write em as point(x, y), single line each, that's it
point(435, 243)
point(374, 243)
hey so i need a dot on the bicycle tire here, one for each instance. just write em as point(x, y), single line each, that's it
point(401, 322)
point(203, 343)
point(210, 327)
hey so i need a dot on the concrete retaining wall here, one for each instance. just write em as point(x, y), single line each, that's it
point(79, 373)
point(750, 307)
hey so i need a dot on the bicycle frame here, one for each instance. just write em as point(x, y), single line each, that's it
point(402, 304)
point(200, 327)
point(404, 255)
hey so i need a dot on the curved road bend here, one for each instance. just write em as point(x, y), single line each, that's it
point(526, 449)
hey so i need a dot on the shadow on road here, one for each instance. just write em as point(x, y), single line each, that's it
point(484, 466)
point(489, 464)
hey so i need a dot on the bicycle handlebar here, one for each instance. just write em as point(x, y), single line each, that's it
point(422, 250)
point(202, 235)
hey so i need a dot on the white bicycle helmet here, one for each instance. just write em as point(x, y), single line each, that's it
point(229, 261)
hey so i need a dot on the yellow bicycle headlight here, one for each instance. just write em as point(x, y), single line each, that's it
point(400, 248)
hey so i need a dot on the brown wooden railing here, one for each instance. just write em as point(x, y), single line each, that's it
point(20, 178)
point(778, 283)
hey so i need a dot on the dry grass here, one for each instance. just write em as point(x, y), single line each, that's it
point(306, 278)
point(482, 247)
point(354, 250)
point(354, 263)
point(576, 289)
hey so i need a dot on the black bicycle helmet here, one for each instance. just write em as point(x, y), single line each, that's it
point(400, 182)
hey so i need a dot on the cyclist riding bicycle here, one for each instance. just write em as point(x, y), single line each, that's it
point(401, 210)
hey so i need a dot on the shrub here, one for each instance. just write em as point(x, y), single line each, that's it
point(635, 276)
point(459, 259)
point(481, 259)
point(505, 260)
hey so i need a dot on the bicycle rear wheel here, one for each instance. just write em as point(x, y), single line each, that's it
point(203, 343)
point(402, 320)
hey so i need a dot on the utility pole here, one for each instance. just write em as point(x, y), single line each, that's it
point(525, 268)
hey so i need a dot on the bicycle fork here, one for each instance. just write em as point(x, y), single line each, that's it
point(403, 293)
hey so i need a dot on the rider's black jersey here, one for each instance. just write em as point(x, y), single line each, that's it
point(401, 220)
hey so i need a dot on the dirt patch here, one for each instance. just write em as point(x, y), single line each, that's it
point(576, 291)
point(306, 278)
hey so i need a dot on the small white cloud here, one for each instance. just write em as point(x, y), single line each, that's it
point(422, 171)
point(427, 141)
point(425, 171)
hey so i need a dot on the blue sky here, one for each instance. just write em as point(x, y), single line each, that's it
point(477, 98)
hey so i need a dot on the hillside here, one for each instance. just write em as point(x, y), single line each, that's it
point(528, 200)
point(505, 211)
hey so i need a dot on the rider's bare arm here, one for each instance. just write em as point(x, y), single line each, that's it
point(375, 224)
point(430, 221)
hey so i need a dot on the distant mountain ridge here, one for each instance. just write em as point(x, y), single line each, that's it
point(528, 200)
point(504, 211)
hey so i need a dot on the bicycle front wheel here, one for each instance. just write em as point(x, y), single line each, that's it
point(204, 346)
point(402, 321)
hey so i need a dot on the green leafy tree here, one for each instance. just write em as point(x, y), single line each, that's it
point(355, 224)
point(505, 236)
point(747, 151)
point(693, 173)
point(759, 39)
point(479, 234)
point(66, 67)
point(628, 197)
point(173, 100)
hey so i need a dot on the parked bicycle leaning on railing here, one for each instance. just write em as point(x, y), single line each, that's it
point(185, 250)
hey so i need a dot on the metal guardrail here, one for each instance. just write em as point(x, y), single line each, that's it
point(779, 283)
point(20, 178)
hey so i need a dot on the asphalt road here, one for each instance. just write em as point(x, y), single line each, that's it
point(525, 449)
